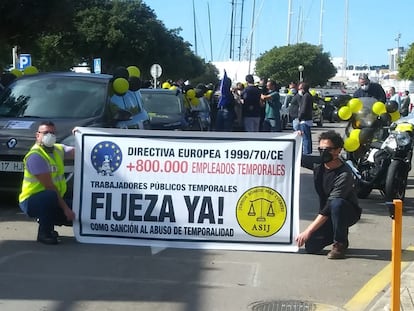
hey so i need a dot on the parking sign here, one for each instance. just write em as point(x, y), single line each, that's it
point(25, 60)
point(97, 65)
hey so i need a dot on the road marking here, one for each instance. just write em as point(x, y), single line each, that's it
point(373, 287)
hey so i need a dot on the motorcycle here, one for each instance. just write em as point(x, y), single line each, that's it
point(383, 159)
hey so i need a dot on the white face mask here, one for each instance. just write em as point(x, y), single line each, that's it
point(365, 87)
point(49, 140)
point(300, 92)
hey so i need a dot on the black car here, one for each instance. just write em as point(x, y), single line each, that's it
point(166, 108)
point(66, 98)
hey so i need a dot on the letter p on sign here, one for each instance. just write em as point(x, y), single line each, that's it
point(25, 60)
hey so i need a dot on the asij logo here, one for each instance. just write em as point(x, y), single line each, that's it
point(106, 157)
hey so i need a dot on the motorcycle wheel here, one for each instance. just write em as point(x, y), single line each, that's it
point(396, 181)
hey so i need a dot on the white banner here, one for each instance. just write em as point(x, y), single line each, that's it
point(187, 189)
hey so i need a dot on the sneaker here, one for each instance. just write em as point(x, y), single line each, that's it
point(47, 238)
point(338, 251)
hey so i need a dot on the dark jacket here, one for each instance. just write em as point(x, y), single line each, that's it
point(374, 90)
point(332, 184)
point(251, 101)
point(305, 107)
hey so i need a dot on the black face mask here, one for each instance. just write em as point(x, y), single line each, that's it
point(325, 155)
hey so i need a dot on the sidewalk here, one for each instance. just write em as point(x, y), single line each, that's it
point(406, 292)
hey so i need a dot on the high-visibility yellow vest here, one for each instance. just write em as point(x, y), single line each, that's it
point(31, 184)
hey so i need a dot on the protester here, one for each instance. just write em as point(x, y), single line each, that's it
point(251, 106)
point(394, 96)
point(305, 117)
point(338, 202)
point(238, 105)
point(44, 184)
point(369, 89)
point(294, 105)
point(272, 121)
point(405, 104)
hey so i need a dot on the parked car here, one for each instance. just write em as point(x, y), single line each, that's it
point(66, 98)
point(166, 109)
point(316, 111)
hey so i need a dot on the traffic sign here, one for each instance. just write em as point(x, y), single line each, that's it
point(156, 71)
point(97, 65)
point(25, 60)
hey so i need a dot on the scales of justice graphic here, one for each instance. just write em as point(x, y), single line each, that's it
point(265, 204)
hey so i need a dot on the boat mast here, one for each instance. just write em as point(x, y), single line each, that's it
point(251, 35)
point(231, 29)
point(209, 29)
point(289, 22)
point(241, 29)
point(344, 60)
point(321, 24)
point(195, 30)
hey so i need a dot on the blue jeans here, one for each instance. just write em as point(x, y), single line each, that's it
point(335, 229)
point(251, 124)
point(272, 125)
point(44, 205)
point(224, 120)
point(306, 138)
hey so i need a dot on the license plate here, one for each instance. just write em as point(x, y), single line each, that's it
point(11, 166)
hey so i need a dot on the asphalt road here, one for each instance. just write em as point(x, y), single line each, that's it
point(75, 277)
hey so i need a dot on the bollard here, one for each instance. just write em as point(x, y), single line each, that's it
point(395, 209)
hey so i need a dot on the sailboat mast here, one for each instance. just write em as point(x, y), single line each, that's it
point(251, 35)
point(195, 29)
point(241, 29)
point(289, 22)
point(321, 24)
point(231, 29)
point(344, 61)
point(209, 29)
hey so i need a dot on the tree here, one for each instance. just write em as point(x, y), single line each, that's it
point(281, 64)
point(406, 68)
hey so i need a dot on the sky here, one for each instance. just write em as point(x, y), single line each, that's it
point(373, 26)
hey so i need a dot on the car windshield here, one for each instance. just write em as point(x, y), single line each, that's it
point(129, 102)
point(161, 103)
point(53, 97)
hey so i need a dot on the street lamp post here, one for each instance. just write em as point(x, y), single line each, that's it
point(301, 68)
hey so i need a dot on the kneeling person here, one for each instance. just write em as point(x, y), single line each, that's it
point(338, 202)
point(44, 184)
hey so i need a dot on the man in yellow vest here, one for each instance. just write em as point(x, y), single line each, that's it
point(44, 183)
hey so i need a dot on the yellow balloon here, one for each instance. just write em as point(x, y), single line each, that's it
point(351, 144)
point(16, 72)
point(379, 108)
point(312, 92)
point(173, 87)
point(344, 113)
point(395, 116)
point(209, 93)
point(134, 71)
point(355, 134)
point(120, 86)
point(166, 85)
point(355, 104)
point(30, 70)
point(194, 101)
point(191, 93)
